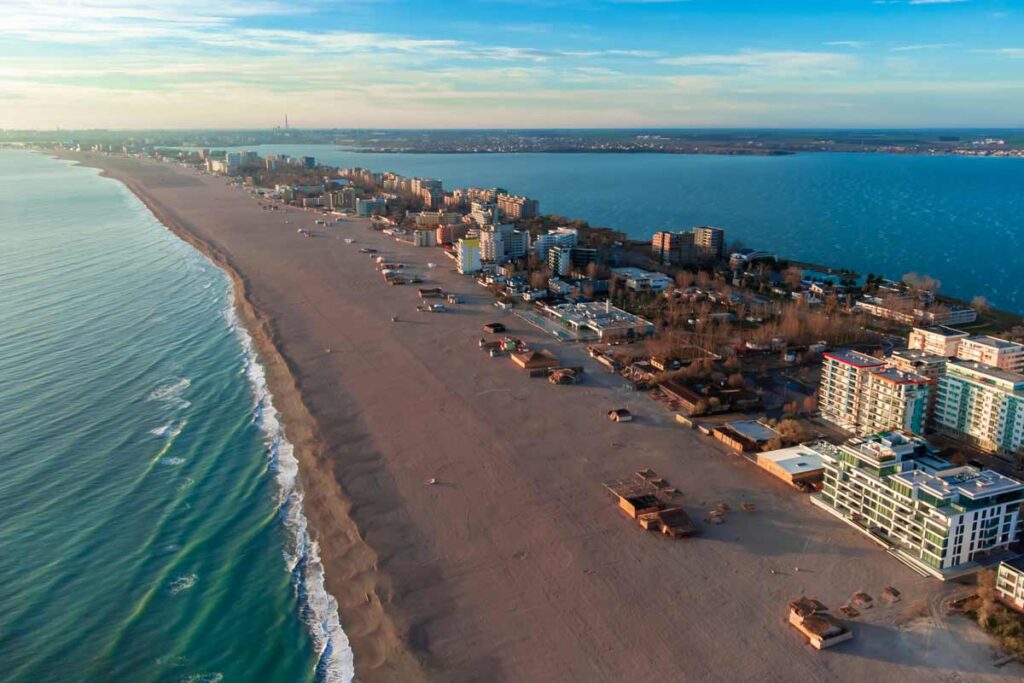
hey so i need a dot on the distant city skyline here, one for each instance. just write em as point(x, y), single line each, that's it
point(504, 64)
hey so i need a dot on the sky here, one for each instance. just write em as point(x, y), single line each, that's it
point(132, 64)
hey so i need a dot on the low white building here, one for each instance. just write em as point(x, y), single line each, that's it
point(640, 280)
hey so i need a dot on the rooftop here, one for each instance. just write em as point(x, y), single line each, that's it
point(970, 482)
point(753, 429)
point(899, 377)
point(941, 330)
point(987, 374)
point(993, 342)
point(854, 358)
point(795, 460)
point(638, 273)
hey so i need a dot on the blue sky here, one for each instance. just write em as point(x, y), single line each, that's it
point(506, 63)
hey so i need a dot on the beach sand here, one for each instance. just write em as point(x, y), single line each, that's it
point(516, 565)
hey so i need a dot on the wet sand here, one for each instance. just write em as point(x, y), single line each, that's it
point(516, 566)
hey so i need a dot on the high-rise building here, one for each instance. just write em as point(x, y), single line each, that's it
point(309, 162)
point(924, 364)
point(843, 381)
point(501, 243)
point(932, 514)
point(894, 400)
point(983, 404)
point(514, 207)
point(559, 237)
point(860, 394)
point(484, 214)
point(673, 247)
point(560, 260)
point(709, 242)
point(370, 207)
point(468, 256)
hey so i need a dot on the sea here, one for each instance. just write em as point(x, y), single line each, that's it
point(151, 524)
point(957, 219)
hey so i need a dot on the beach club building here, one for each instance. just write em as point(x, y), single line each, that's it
point(932, 515)
point(599, 320)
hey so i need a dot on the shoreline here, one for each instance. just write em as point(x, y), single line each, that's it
point(370, 651)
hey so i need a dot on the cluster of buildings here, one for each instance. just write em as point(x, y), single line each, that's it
point(969, 387)
point(699, 245)
point(499, 203)
point(909, 310)
point(234, 163)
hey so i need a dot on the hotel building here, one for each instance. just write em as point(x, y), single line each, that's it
point(1010, 583)
point(930, 514)
point(982, 404)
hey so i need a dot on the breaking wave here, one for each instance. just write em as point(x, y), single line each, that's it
point(317, 608)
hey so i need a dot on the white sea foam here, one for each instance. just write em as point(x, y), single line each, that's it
point(215, 677)
point(170, 393)
point(167, 431)
point(173, 462)
point(182, 583)
point(317, 607)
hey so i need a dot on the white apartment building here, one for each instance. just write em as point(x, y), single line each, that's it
point(938, 340)
point(467, 259)
point(931, 514)
point(559, 237)
point(843, 380)
point(501, 243)
point(861, 394)
point(1010, 583)
point(983, 404)
point(945, 341)
point(998, 353)
point(894, 399)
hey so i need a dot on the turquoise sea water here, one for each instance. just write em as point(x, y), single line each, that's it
point(958, 219)
point(150, 527)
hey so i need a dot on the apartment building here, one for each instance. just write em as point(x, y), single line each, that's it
point(924, 364)
point(709, 242)
point(515, 207)
point(894, 399)
point(945, 341)
point(982, 404)
point(673, 247)
point(843, 381)
point(502, 243)
point(467, 259)
point(862, 394)
point(559, 237)
point(998, 353)
point(1010, 583)
point(938, 340)
point(933, 515)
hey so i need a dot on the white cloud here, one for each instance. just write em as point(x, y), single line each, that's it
point(774, 62)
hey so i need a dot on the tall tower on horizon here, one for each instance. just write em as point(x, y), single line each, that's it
point(286, 121)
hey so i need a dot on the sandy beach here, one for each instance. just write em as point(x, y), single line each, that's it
point(516, 565)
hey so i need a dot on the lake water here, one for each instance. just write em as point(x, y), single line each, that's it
point(958, 219)
point(150, 523)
